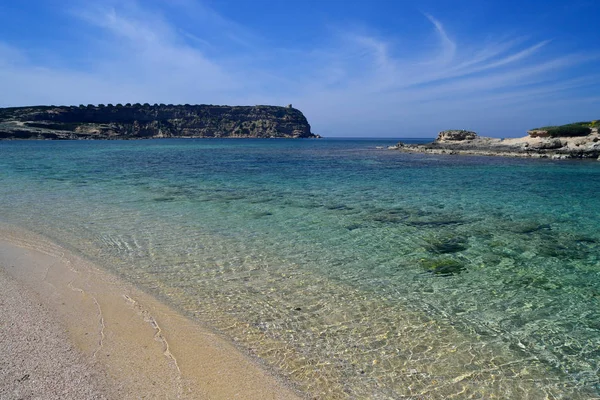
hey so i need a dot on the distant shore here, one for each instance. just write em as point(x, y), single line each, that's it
point(469, 143)
point(145, 121)
point(94, 336)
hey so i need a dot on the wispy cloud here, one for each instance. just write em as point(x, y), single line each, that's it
point(358, 80)
point(448, 46)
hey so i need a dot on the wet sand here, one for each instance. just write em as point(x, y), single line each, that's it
point(72, 330)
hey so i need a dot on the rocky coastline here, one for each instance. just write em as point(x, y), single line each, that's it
point(535, 145)
point(145, 121)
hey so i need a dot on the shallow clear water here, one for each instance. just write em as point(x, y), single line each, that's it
point(355, 272)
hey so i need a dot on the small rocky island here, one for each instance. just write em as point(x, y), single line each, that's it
point(145, 121)
point(579, 140)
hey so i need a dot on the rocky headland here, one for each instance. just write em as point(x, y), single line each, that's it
point(580, 140)
point(145, 121)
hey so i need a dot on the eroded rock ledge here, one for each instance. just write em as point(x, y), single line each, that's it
point(535, 146)
point(143, 121)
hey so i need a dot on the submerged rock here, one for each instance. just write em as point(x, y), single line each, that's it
point(526, 227)
point(352, 227)
point(443, 266)
point(261, 214)
point(435, 221)
point(446, 245)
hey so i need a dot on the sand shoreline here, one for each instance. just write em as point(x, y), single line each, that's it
point(127, 343)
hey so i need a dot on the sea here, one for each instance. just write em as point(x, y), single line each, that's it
point(349, 270)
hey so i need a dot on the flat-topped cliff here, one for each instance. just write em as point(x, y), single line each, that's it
point(142, 121)
point(551, 142)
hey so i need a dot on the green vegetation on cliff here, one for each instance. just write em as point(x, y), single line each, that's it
point(568, 130)
point(140, 121)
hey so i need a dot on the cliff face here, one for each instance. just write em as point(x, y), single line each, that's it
point(152, 121)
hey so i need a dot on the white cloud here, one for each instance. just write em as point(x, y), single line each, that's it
point(448, 46)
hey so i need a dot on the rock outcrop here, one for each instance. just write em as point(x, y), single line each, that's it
point(538, 133)
point(454, 135)
point(141, 121)
point(535, 146)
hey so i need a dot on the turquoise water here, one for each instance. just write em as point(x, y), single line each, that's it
point(352, 271)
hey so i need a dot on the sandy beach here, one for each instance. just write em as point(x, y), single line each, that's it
point(71, 331)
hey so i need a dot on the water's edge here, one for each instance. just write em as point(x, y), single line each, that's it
point(148, 348)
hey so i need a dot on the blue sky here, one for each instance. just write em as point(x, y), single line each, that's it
point(387, 68)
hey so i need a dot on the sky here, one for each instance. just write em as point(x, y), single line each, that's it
point(372, 68)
